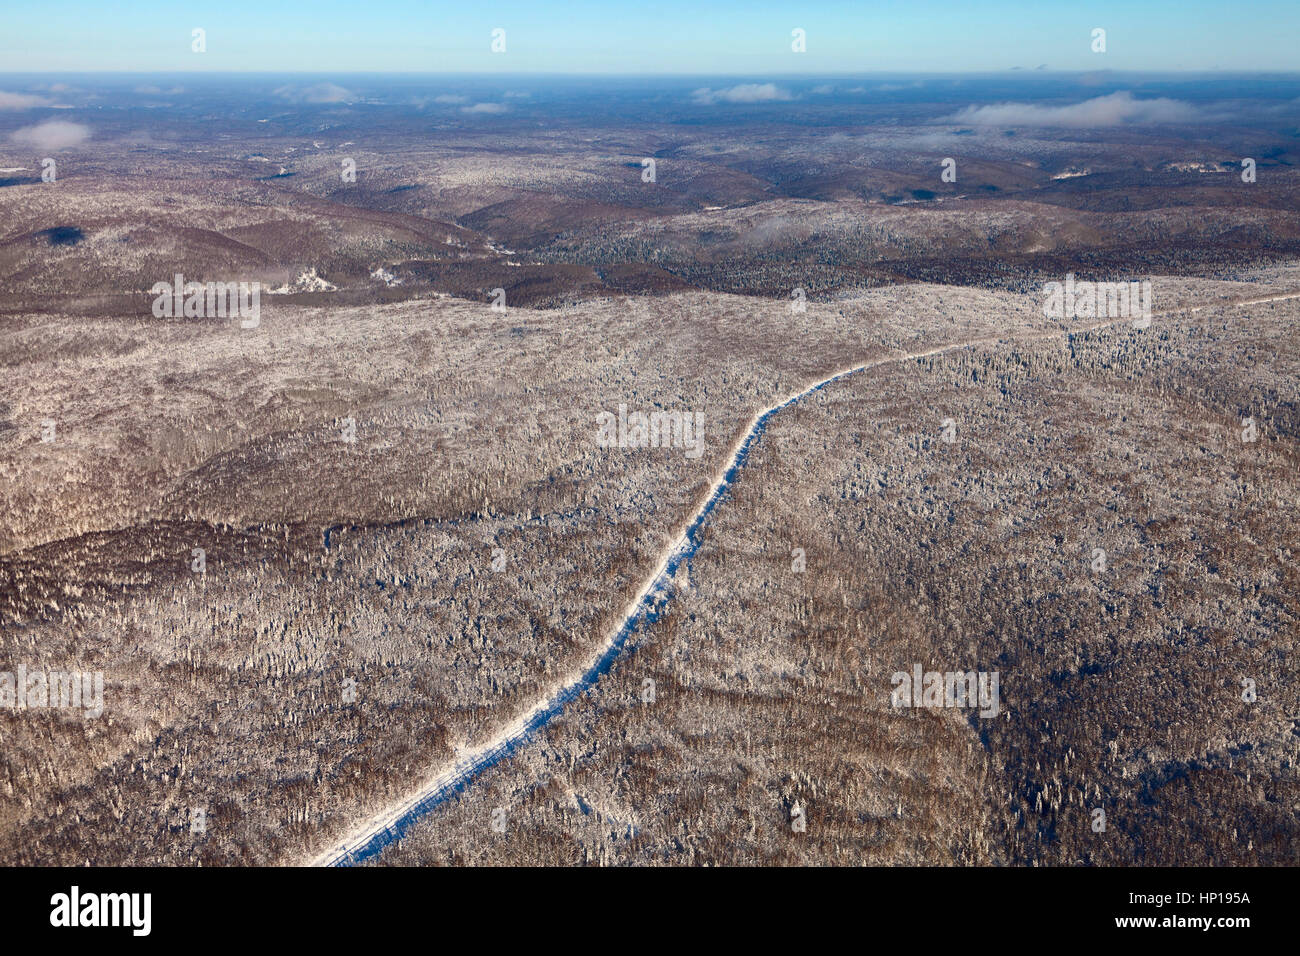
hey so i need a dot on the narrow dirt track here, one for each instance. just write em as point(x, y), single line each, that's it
point(371, 835)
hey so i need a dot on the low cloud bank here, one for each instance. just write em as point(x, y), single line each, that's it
point(1117, 109)
point(317, 93)
point(51, 135)
point(21, 101)
point(744, 93)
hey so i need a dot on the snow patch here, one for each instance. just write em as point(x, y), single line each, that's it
point(306, 281)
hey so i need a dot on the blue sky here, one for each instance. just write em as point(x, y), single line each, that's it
point(732, 37)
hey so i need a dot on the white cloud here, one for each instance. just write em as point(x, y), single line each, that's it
point(744, 93)
point(327, 93)
point(21, 101)
point(824, 90)
point(316, 93)
point(51, 135)
point(484, 108)
point(1117, 109)
point(452, 98)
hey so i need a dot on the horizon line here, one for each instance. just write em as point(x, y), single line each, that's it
point(803, 74)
